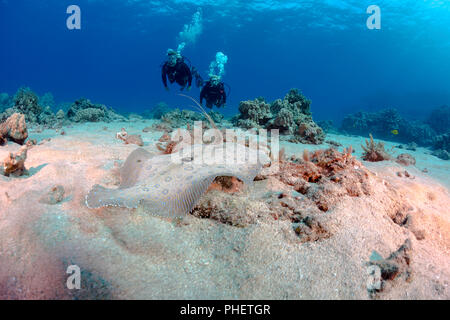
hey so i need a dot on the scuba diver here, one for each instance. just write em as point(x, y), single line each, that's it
point(178, 71)
point(214, 93)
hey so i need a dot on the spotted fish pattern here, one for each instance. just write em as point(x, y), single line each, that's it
point(171, 185)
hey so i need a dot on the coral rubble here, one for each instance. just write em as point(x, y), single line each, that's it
point(396, 266)
point(317, 182)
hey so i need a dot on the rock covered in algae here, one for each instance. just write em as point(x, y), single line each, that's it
point(14, 129)
point(83, 110)
point(290, 115)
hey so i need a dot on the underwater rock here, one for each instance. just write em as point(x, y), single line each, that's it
point(308, 133)
point(318, 182)
point(130, 139)
point(291, 116)
point(311, 229)
point(405, 174)
point(441, 146)
point(26, 102)
point(294, 101)
point(60, 115)
point(179, 119)
point(89, 115)
point(382, 123)
point(224, 208)
point(333, 143)
point(284, 121)
point(134, 139)
point(217, 117)
point(14, 163)
point(293, 110)
point(406, 159)
point(441, 154)
point(14, 129)
point(47, 117)
point(164, 127)
point(227, 184)
point(442, 142)
point(323, 176)
point(83, 110)
point(397, 265)
point(135, 117)
point(412, 223)
point(374, 152)
point(439, 120)
point(54, 196)
point(122, 134)
point(253, 114)
point(412, 146)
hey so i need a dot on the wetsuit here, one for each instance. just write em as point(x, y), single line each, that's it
point(214, 95)
point(179, 73)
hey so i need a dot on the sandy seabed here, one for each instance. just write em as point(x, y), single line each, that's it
point(128, 254)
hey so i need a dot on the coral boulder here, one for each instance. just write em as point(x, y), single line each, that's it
point(83, 110)
point(14, 129)
point(290, 115)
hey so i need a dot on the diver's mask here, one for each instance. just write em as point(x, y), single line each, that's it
point(172, 57)
point(215, 80)
point(172, 60)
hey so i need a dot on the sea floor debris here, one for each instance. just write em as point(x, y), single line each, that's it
point(305, 230)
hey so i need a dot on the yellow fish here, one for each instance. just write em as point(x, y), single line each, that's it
point(394, 131)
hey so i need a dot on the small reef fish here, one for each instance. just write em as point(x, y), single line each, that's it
point(171, 185)
point(395, 131)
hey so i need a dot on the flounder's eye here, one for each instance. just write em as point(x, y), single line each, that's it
point(187, 159)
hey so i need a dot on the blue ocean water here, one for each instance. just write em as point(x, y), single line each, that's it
point(324, 48)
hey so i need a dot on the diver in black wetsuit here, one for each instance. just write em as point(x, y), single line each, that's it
point(214, 93)
point(176, 70)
